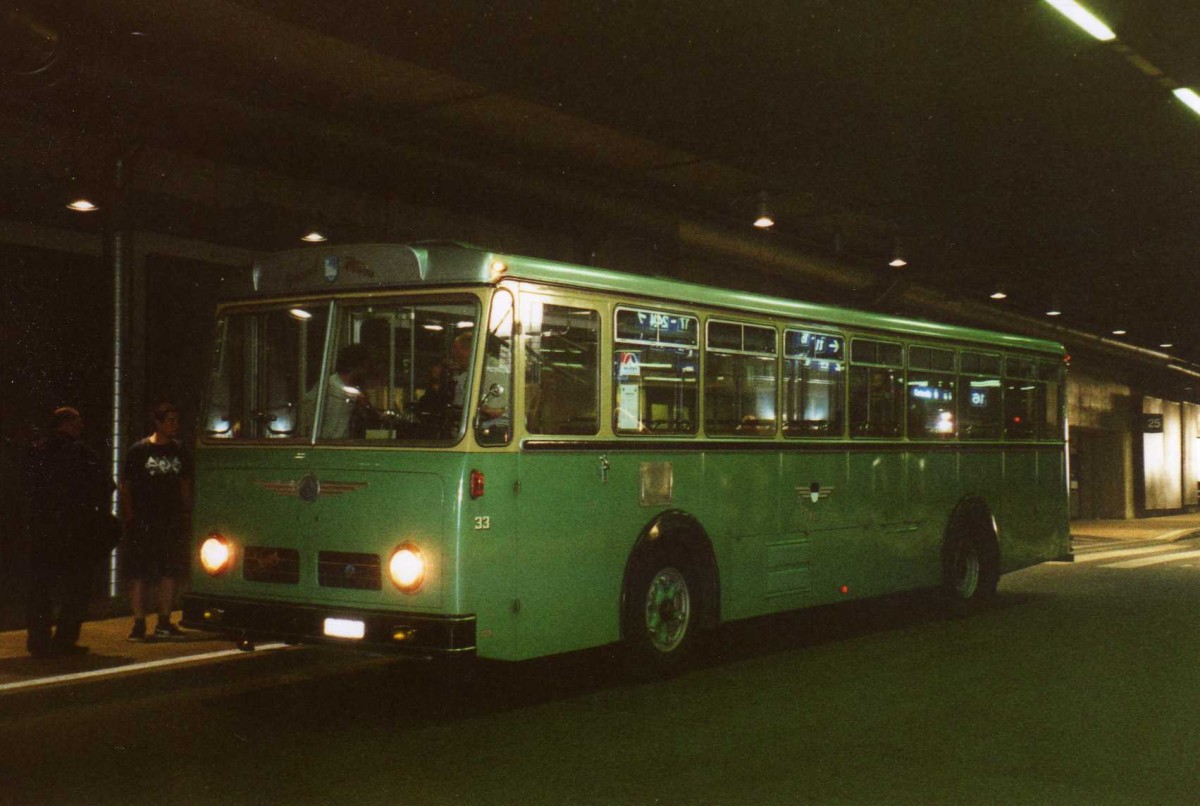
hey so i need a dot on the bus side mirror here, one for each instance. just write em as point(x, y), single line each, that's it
point(495, 390)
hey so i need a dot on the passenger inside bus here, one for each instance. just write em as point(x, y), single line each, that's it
point(347, 411)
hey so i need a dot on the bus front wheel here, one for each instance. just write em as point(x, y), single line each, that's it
point(662, 612)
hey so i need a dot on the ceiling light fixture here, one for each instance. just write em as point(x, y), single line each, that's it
point(1084, 19)
point(764, 219)
point(897, 261)
point(1189, 97)
point(998, 295)
point(1054, 312)
point(313, 236)
point(1120, 332)
point(83, 206)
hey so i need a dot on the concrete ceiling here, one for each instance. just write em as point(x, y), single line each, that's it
point(998, 143)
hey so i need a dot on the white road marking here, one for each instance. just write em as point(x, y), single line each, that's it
point(1177, 533)
point(1096, 556)
point(1169, 558)
point(115, 670)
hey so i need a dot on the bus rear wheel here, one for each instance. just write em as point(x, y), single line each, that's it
point(661, 618)
point(970, 573)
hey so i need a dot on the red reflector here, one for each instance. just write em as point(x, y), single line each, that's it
point(476, 483)
point(844, 589)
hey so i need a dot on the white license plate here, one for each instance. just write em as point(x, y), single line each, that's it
point(345, 628)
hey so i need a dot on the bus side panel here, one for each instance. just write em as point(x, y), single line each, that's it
point(1041, 530)
point(1019, 519)
point(933, 491)
point(878, 497)
point(816, 528)
point(981, 475)
point(761, 570)
point(1056, 515)
point(576, 531)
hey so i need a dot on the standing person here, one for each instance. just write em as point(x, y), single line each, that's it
point(156, 494)
point(68, 497)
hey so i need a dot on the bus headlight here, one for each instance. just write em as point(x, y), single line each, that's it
point(407, 568)
point(216, 555)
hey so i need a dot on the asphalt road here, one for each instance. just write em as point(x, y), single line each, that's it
point(1082, 685)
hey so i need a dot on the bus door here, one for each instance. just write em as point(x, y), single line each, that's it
point(570, 553)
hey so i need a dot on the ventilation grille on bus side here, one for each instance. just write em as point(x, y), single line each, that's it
point(343, 569)
point(265, 564)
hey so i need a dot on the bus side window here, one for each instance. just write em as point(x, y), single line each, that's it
point(931, 394)
point(655, 358)
point(981, 415)
point(1050, 400)
point(814, 384)
point(739, 382)
point(562, 384)
point(876, 389)
point(1020, 399)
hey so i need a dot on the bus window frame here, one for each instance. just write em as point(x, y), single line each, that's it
point(615, 339)
point(938, 374)
point(899, 366)
point(759, 431)
point(843, 363)
point(967, 375)
point(531, 295)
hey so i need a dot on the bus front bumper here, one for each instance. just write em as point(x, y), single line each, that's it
point(248, 620)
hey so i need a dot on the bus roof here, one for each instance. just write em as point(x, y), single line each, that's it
point(365, 267)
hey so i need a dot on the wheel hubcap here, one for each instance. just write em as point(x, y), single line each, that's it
point(966, 570)
point(668, 609)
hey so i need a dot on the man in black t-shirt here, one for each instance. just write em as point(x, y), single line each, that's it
point(156, 493)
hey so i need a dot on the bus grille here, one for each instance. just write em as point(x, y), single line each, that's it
point(265, 564)
point(343, 569)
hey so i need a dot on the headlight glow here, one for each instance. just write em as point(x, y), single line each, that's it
point(215, 554)
point(407, 568)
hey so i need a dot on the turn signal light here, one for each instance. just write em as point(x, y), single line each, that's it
point(476, 483)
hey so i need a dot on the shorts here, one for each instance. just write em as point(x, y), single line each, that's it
point(151, 553)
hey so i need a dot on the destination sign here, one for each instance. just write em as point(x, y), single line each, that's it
point(810, 344)
point(657, 327)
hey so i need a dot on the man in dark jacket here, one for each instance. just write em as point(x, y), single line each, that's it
point(68, 499)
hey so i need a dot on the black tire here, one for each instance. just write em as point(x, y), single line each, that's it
point(970, 572)
point(661, 618)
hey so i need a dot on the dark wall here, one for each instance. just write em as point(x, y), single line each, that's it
point(55, 338)
point(55, 349)
point(181, 296)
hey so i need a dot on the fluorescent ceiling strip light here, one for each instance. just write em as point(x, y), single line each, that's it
point(1189, 97)
point(1084, 19)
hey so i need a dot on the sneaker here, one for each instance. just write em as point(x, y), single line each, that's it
point(138, 633)
point(168, 630)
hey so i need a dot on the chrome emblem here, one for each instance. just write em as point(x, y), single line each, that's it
point(309, 488)
point(332, 267)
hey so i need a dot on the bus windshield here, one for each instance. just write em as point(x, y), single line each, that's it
point(395, 370)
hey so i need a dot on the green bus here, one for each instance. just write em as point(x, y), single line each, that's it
point(442, 450)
